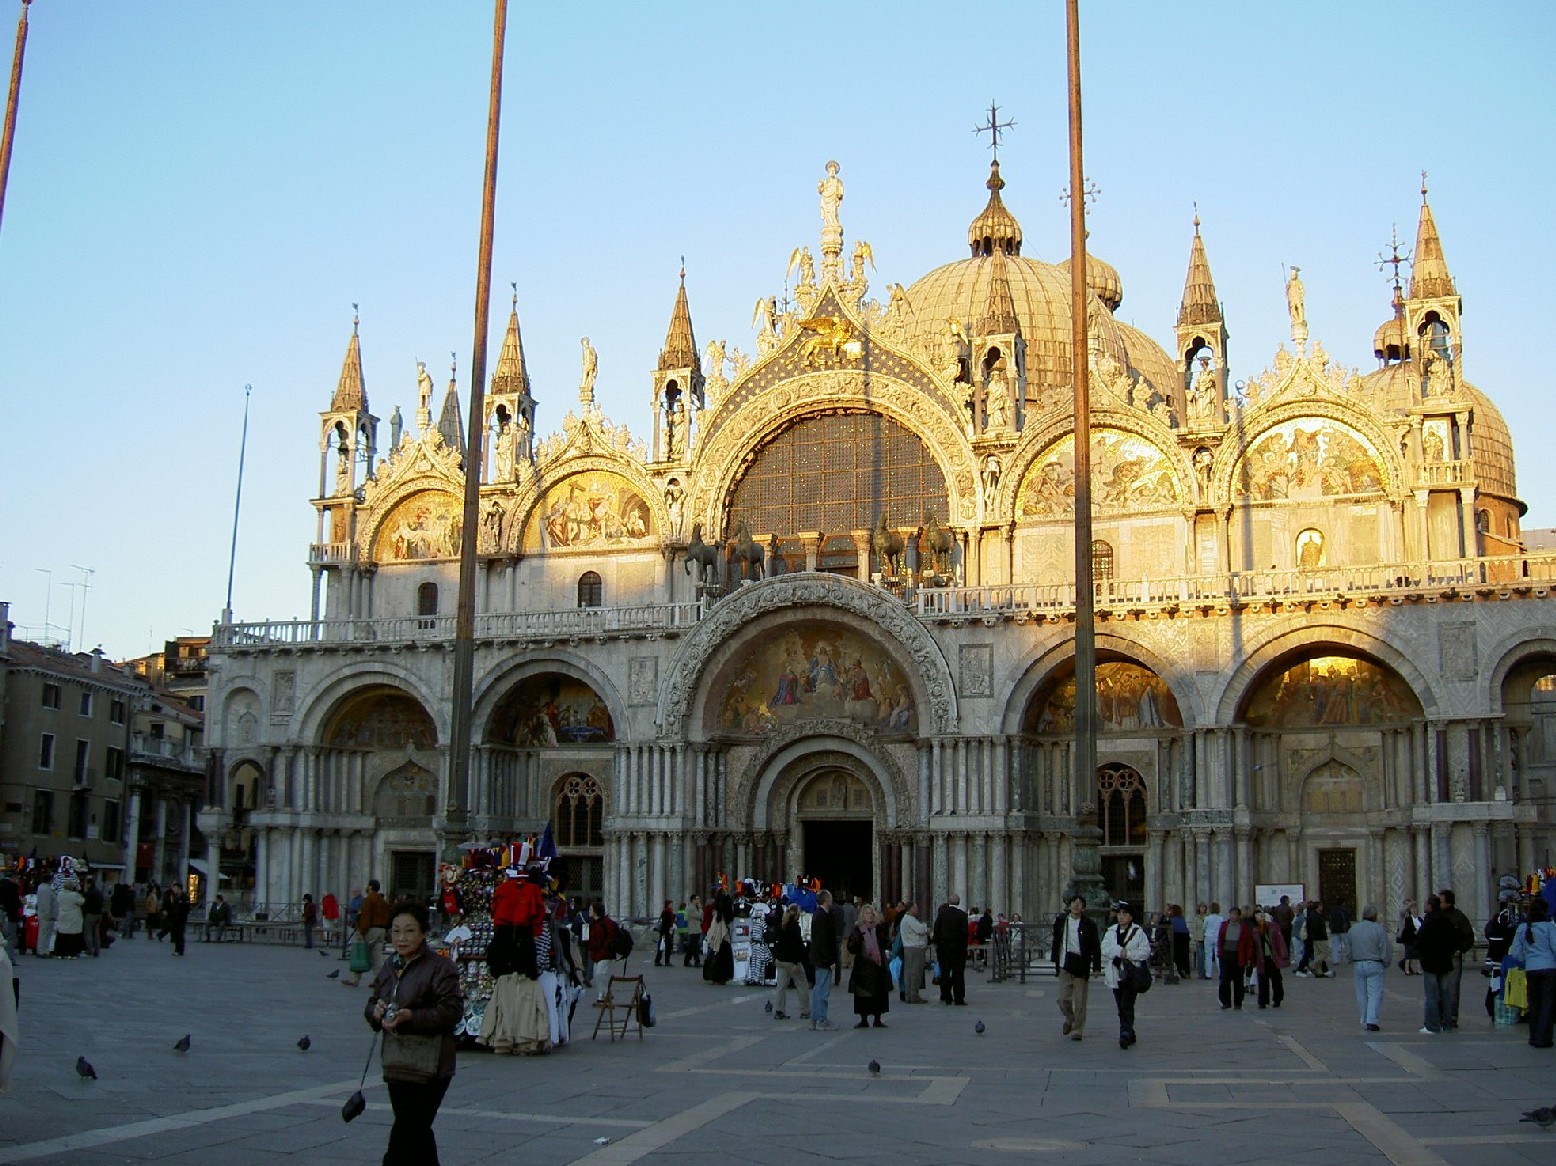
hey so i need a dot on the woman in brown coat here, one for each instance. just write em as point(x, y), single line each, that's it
point(869, 981)
point(416, 1003)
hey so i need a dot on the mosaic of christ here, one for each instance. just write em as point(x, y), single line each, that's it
point(1130, 698)
point(816, 673)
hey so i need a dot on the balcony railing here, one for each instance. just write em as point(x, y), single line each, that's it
point(1511, 573)
point(144, 747)
point(332, 554)
point(571, 624)
point(1458, 473)
point(1514, 574)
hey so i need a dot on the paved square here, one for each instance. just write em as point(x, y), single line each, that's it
point(719, 1080)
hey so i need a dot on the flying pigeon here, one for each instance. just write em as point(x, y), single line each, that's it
point(874, 1066)
point(305, 1044)
point(183, 1044)
point(335, 975)
point(84, 1069)
point(768, 1006)
point(978, 1028)
point(1545, 1116)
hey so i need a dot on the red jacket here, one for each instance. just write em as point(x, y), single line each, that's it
point(1247, 943)
point(520, 903)
point(601, 932)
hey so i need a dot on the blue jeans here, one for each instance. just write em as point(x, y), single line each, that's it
point(819, 994)
point(1436, 985)
point(1369, 989)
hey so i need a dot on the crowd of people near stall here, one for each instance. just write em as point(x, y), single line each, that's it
point(57, 908)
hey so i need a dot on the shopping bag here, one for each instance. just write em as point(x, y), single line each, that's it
point(1515, 991)
point(896, 973)
point(361, 958)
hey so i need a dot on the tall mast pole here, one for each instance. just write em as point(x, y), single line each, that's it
point(1085, 612)
point(237, 507)
point(10, 104)
point(458, 802)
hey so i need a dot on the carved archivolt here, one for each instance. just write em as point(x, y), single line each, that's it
point(938, 713)
point(768, 778)
point(721, 458)
point(1037, 445)
point(1318, 411)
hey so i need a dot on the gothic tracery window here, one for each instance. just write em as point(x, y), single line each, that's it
point(580, 813)
point(1121, 806)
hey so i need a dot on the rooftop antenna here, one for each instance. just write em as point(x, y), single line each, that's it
point(86, 587)
point(48, 597)
point(237, 503)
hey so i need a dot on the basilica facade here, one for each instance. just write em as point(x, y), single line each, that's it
point(819, 618)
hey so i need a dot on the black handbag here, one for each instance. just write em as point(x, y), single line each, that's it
point(1139, 977)
point(356, 1104)
point(1077, 964)
point(413, 1058)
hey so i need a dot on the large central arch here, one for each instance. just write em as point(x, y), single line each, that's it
point(931, 674)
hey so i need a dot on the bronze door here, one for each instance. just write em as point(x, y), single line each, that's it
point(1337, 879)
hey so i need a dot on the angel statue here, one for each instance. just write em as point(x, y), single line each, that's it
point(740, 361)
point(801, 258)
point(714, 363)
point(862, 255)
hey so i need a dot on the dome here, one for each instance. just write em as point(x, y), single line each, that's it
point(1391, 341)
point(1491, 447)
point(1150, 360)
point(1041, 295)
point(1102, 279)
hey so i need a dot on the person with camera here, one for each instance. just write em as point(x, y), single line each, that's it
point(1126, 952)
point(416, 1003)
point(1077, 954)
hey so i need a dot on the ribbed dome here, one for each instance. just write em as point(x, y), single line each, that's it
point(1103, 280)
point(1041, 295)
point(1391, 341)
point(995, 227)
point(1491, 447)
point(1150, 360)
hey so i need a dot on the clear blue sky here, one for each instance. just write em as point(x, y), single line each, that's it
point(200, 191)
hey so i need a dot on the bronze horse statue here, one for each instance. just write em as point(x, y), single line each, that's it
point(936, 545)
point(745, 554)
point(705, 555)
point(887, 545)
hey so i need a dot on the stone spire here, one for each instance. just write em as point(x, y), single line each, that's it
point(1200, 305)
point(680, 350)
point(999, 312)
point(1429, 277)
point(512, 375)
point(450, 424)
point(995, 228)
point(351, 392)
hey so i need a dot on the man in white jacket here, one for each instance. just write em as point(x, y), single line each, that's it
point(915, 943)
point(1213, 923)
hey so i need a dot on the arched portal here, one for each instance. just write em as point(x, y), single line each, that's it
point(834, 810)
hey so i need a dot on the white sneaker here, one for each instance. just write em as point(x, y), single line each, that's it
point(1428, 1031)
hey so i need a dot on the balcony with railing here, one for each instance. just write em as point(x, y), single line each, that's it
point(572, 624)
point(1505, 576)
point(332, 555)
point(1455, 473)
point(165, 752)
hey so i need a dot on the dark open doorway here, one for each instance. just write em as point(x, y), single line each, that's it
point(841, 854)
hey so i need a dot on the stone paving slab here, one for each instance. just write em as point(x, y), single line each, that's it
point(719, 1079)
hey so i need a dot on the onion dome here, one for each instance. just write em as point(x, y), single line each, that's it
point(1391, 342)
point(995, 228)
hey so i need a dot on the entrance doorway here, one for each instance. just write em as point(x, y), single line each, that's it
point(1337, 879)
point(841, 854)
point(1125, 877)
point(413, 875)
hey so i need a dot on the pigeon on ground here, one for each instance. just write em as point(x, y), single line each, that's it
point(305, 1044)
point(183, 1044)
point(324, 954)
point(335, 975)
point(874, 1066)
point(84, 1069)
point(1545, 1116)
point(768, 1006)
point(978, 1028)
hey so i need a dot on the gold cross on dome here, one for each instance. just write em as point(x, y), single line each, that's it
point(994, 128)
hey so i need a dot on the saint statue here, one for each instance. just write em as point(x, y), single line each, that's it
point(505, 445)
point(991, 478)
point(396, 427)
point(1294, 302)
point(491, 521)
point(675, 505)
point(831, 190)
point(591, 364)
point(423, 387)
